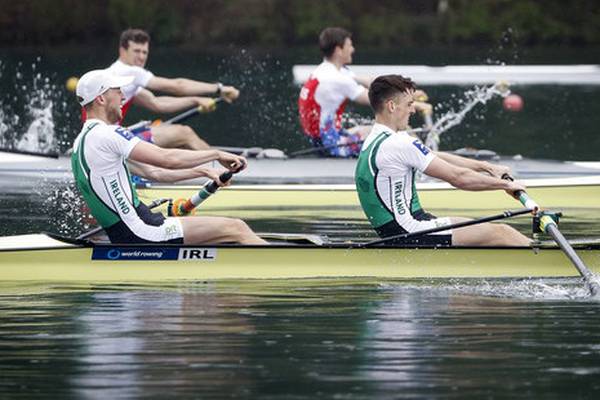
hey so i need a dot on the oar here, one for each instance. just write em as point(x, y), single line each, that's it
point(319, 149)
point(29, 153)
point(312, 150)
point(549, 226)
point(94, 231)
point(185, 207)
point(176, 119)
point(495, 217)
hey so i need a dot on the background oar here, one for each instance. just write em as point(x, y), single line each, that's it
point(176, 119)
point(496, 217)
point(94, 231)
point(185, 207)
point(548, 225)
point(29, 153)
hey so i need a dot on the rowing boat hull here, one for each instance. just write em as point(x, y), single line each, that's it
point(54, 261)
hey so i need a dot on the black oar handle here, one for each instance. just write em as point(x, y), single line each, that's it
point(508, 177)
point(224, 177)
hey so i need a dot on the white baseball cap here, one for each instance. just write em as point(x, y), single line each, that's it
point(94, 83)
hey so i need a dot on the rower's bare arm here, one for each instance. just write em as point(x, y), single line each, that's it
point(158, 174)
point(467, 179)
point(364, 80)
point(167, 104)
point(189, 87)
point(148, 153)
point(363, 98)
point(479, 166)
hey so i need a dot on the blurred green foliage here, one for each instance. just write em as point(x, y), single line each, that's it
point(380, 23)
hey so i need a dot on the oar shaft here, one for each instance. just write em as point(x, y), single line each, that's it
point(548, 225)
point(189, 113)
point(496, 217)
point(562, 242)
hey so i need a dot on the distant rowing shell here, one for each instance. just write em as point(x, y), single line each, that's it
point(426, 75)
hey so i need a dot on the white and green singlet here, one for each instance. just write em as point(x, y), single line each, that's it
point(99, 166)
point(385, 182)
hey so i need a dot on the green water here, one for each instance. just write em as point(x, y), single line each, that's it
point(302, 339)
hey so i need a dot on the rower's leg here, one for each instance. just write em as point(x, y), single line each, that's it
point(487, 234)
point(212, 230)
point(177, 136)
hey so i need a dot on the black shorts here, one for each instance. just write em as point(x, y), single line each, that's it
point(393, 228)
point(120, 233)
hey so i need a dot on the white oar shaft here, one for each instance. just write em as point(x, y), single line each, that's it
point(549, 226)
point(585, 273)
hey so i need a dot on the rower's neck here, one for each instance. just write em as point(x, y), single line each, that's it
point(335, 61)
point(388, 121)
point(99, 114)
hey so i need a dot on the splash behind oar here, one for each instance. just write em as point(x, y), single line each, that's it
point(547, 224)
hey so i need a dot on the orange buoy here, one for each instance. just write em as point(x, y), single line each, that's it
point(513, 102)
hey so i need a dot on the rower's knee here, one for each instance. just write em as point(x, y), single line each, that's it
point(510, 236)
point(184, 133)
point(237, 229)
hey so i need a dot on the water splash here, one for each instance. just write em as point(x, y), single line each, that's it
point(68, 212)
point(526, 289)
point(477, 95)
point(260, 113)
point(27, 113)
point(40, 136)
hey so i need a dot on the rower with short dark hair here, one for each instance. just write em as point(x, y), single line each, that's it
point(99, 157)
point(389, 161)
point(323, 97)
point(134, 47)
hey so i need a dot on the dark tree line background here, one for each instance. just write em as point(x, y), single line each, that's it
point(279, 23)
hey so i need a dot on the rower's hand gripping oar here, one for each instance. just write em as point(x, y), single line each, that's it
point(548, 225)
point(184, 207)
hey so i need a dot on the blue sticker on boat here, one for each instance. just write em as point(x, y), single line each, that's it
point(422, 148)
point(154, 253)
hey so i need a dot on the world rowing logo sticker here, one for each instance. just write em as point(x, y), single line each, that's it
point(422, 148)
point(113, 254)
point(154, 254)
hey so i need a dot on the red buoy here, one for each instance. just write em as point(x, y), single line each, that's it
point(513, 102)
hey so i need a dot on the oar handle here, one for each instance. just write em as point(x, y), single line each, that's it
point(185, 208)
point(523, 197)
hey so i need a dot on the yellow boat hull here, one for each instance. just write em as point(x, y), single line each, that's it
point(54, 261)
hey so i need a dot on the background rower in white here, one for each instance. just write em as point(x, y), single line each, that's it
point(134, 47)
